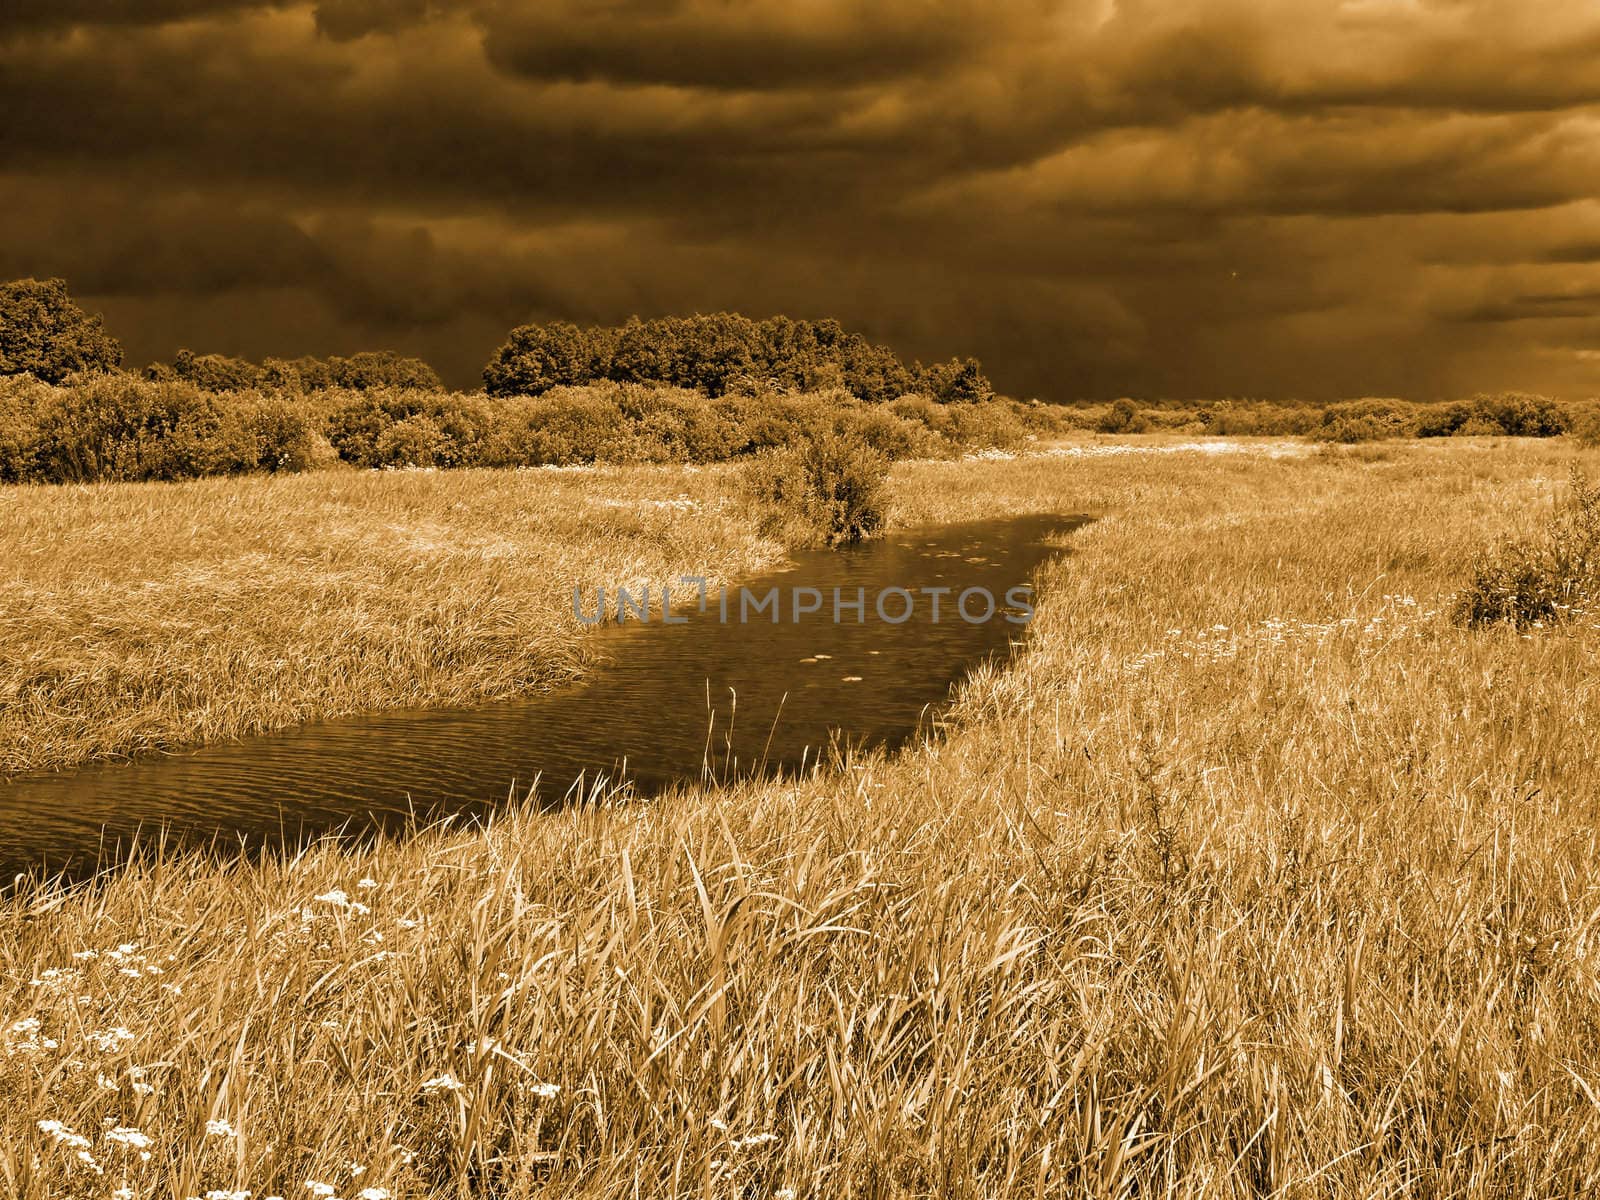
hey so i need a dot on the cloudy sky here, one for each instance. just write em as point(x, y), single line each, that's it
point(1096, 197)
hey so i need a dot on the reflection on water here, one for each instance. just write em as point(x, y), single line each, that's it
point(669, 702)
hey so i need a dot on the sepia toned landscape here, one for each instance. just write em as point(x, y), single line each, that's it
point(534, 663)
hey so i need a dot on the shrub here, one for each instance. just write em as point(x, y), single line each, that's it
point(452, 436)
point(119, 427)
point(210, 372)
point(1367, 420)
point(286, 434)
point(413, 441)
point(829, 489)
point(959, 381)
point(1522, 582)
point(373, 369)
point(1442, 420)
point(1123, 417)
point(891, 435)
point(1231, 418)
point(673, 425)
point(717, 354)
point(1585, 427)
point(1480, 426)
point(21, 398)
point(990, 426)
point(564, 426)
point(44, 334)
point(1519, 414)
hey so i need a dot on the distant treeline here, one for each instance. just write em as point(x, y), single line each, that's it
point(714, 354)
point(720, 353)
point(359, 372)
point(1508, 414)
point(44, 334)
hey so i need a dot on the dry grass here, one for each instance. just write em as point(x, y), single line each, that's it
point(1254, 877)
point(144, 616)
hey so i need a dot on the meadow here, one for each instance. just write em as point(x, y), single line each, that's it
point(1253, 874)
point(145, 616)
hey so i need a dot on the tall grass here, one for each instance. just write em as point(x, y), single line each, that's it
point(147, 616)
point(1255, 875)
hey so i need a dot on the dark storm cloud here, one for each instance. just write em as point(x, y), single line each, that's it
point(752, 45)
point(1096, 196)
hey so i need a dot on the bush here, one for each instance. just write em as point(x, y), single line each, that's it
point(453, 434)
point(959, 381)
point(371, 370)
point(564, 426)
point(1442, 420)
point(1523, 582)
point(210, 372)
point(286, 433)
point(990, 426)
point(21, 398)
point(828, 490)
point(413, 441)
point(1480, 426)
point(1230, 418)
point(1367, 421)
point(891, 435)
point(122, 428)
point(1123, 417)
point(1585, 427)
point(1519, 414)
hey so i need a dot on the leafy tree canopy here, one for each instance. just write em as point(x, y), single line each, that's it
point(44, 334)
point(717, 353)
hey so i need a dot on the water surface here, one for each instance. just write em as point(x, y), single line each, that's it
point(669, 703)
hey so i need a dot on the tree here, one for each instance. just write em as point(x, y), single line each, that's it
point(44, 334)
point(382, 368)
point(647, 351)
point(959, 381)
point(212, 372)
point(537, 358)
point(716, 351)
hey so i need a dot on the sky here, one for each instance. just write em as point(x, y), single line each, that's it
point(1155, 198)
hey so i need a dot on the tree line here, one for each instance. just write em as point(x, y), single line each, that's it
point(719, 353)
point(43, 333)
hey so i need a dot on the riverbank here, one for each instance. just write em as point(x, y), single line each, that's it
point(1252, 876)
point(138, 617)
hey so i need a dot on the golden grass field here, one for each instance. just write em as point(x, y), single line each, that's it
point(148, 616)
point(1252, 876)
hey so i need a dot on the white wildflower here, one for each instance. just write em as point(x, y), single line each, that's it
point(442, 1083)
point(127, 1135)
point(110, 1040)
point(318, 1188)
point(62, 1135)
point(220, 1128)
